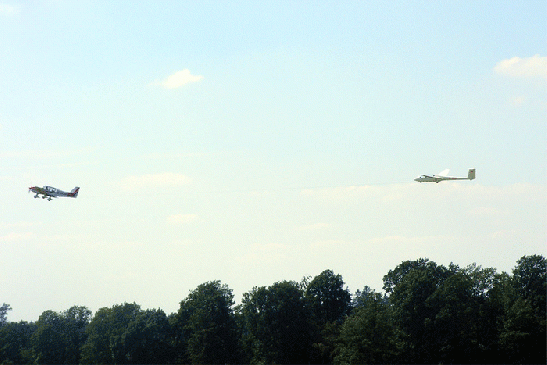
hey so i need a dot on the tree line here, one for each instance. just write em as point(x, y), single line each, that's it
point(428, 313)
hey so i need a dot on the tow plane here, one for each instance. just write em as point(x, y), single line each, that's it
point(443, 175)
point(51, 192)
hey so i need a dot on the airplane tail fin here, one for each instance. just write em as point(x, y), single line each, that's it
point(74, 192)
point(471, 174)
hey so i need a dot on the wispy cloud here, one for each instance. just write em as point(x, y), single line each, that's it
point(518, 101)
point(180, 78)
point(488, 211)
point(535, 66)
point(44, 154)
point(14, 236)
point(179, 219)
point(34, 154)
point(315, 227)
point(338, 194)
point(414, 192)
point(161, 180)
point(263, 253)
point(8, 10)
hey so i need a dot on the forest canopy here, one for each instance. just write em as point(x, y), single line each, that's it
point(428, 313)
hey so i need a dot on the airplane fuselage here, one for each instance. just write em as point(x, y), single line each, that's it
point(442, 177)
point(437, 178)
point(51, 192)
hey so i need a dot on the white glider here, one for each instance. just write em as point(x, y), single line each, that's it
point(444, 176)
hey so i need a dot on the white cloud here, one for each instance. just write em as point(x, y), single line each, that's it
point(43, 154)
point(518, 101)
point(535, 66)
point(13, 236)
point(413, 192)
point(8, 10)
point(315, 227)
point(181, 218)
point(271, 253)
point(488, 211)
point(504, 234)
point(179, 79)
point(166, 179)
point(341, 193)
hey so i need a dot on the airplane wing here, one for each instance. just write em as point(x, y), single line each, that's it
point(444, 172)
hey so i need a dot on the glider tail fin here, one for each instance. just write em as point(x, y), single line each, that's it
point(471, 174)
point(74, 192)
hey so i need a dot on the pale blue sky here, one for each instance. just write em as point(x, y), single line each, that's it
point(290, 149)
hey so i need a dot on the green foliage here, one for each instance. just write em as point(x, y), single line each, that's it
point(15, 343)
point(59, 336)
point(104, 342)
point(147, 338)
point(447, 314)
point(529, 279)
point(329, 304)
point(411, 284)
point(329, 300)
point(522, 336)
point(206, 325)
point(277, 327)
point(429, 314)
point(369, 335)
point(4, 308)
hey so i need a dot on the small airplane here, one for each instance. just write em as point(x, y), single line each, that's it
point(444, 176)
point(51, 192)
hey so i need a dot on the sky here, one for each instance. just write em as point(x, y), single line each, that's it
point(253, 142)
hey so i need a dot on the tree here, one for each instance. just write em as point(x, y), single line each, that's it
point(368, 335)
point(146, 339)
point(15, 343)
point(529, 279)
point(48, 341)
point(329, 300)
point(59, 336)
point(75, 321)
point(104, 343)
point(396, 276)
point(4, 308)
point(276, 324)
point(410, 285)
point(206, 326)
point(329, 304)
point(456, 320)
point(126, 334)
point(522, 336)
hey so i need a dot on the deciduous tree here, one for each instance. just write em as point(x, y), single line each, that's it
point(206, 325)
point(4, 308)
point(368, 335)
point(104, 342)
point(329, 304)
point(15, 342)
point(146, 339)
point(277, 327)
point(59, 336)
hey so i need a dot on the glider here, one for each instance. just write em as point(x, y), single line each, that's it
point(444, 176)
